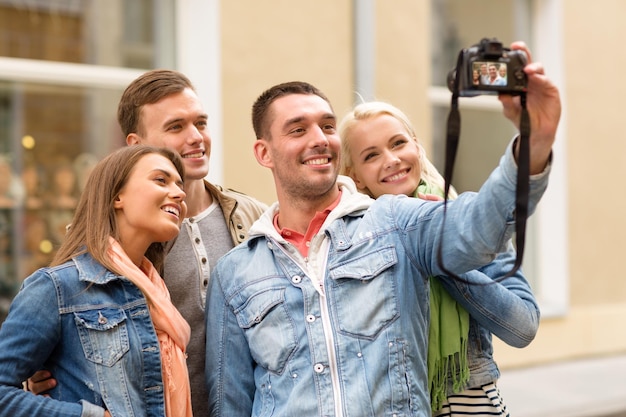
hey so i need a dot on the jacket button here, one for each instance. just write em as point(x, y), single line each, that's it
point(318, 368)
point(296, 279)
point(101, 318)
point(310, 318)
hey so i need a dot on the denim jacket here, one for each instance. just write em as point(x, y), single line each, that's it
point(506, 308)
point(92, 330)
point(343, 332)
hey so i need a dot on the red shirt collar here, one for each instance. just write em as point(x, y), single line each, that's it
point(303, 241)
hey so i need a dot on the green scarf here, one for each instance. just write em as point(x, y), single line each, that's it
point(447, 336)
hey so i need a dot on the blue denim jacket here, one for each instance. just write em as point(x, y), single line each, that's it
point(354, 346)
point(506, 308)
point(92, 330)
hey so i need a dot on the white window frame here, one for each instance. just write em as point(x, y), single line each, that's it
point(62, 73)
point(552, 215)
point(198, 55)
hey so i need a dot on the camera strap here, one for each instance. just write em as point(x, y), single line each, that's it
point(523, 175)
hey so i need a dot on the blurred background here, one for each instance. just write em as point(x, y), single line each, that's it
point(64, 64)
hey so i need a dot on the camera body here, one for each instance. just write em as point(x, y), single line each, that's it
point(489, 68)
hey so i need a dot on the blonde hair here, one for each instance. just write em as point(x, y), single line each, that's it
point(371, 109)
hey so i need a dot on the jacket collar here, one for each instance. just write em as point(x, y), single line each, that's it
point(90, 270)
point(352, 202)
point(227, 203)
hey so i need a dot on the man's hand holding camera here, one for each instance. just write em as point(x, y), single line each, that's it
point(524, 78)
point(544, 109)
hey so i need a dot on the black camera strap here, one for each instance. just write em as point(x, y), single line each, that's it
point(523, 174)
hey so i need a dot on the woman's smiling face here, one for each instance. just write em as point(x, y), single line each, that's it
point(149, 207)
point(385, 158)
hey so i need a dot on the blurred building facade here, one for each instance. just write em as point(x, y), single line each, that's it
point(64, 64)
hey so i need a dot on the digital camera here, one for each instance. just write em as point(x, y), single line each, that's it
point(488, 68)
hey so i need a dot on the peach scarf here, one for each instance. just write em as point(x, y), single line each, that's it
point(172, 330)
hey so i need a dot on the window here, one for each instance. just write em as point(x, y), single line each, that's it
point(120, 33)
point(485, 132)
point(63, 67)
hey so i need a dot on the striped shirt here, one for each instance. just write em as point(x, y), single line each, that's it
point(480, 401)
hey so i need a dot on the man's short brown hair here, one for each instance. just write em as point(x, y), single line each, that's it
point(262, 104)
point(148, 88)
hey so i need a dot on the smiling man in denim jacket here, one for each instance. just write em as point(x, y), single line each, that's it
point(324, 310)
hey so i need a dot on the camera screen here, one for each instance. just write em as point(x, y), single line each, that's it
point(489, 73)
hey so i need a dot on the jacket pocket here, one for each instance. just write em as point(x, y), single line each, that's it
point(268, 327)
point(367, 279)
point(103, 335)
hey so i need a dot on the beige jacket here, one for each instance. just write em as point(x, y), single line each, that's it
point(240, 210)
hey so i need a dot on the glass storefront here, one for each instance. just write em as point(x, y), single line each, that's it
point(52, 134)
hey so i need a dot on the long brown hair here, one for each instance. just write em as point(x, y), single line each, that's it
point(94, 219)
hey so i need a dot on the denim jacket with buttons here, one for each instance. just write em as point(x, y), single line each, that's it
point(353, 345)
point(92, 330)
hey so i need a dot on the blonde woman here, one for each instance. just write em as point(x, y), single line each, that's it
point(381, 153)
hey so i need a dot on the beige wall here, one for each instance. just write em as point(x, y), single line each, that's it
point(265, 43)
point(403, 56)
point(273, 41)
point(597, 150)
point(269, 42)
